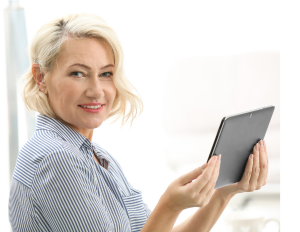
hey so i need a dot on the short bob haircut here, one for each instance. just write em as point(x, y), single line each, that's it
point(45, 48)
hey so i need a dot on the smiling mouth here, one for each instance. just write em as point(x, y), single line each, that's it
point(91, 107)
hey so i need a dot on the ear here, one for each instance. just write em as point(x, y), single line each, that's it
point(39, 77)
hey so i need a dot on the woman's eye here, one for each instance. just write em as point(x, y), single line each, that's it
point(106, 74)
point(77, 74)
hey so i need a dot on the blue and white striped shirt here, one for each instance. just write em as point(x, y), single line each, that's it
point(58, 186)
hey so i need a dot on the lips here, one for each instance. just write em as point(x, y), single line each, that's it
point(91, 104)
point(92, 108)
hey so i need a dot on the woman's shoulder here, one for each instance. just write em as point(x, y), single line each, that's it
point(42, 144)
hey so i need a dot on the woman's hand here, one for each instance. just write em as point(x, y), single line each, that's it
point(255, 174)
point(185, 193)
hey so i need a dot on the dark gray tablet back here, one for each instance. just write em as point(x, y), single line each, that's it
point(235, 140)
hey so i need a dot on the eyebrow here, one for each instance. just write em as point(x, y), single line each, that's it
point(89, 68)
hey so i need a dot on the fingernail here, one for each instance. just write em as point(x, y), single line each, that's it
point(220, 157)
point(257, 147)
point(251, 156)
point(261, 143)
point(264, 142)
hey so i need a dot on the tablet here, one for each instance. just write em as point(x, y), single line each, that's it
point(236, 137)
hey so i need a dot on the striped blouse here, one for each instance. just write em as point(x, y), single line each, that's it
point(58, 186)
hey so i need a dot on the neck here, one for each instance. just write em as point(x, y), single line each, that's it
point(88, 133)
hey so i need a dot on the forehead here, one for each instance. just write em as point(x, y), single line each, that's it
point(86, 50)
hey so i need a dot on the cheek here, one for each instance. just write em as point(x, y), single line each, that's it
point(63, 96)
point(53, 96)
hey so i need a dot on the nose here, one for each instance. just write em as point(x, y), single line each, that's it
point(94, 88)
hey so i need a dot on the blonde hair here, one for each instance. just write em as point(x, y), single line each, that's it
point(45, 48)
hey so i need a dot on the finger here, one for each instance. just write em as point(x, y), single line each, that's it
point(188, 177)
point(267, 161)
point(255, 169)
point(207, 174)
point(212, 182)
point(217, 169)
point(210, 192)
point(263, 163)
point(245, 181)
point(201, 171)
point(265, 146)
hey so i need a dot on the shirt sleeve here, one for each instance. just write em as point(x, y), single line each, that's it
point(66, 196)
point(148, 211)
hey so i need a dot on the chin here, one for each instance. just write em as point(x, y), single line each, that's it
point(92, 125)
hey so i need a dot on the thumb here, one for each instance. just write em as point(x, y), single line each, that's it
point(190, 176)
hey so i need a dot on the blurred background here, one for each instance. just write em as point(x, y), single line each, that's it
point(192, 63)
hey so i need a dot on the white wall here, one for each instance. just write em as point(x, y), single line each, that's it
point(154, 35)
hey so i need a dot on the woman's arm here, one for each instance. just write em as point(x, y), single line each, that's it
point(205, 218)
point(161, 219)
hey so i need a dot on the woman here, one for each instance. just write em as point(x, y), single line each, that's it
point(63, 181)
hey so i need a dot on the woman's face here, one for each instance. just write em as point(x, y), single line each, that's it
point(82, 77)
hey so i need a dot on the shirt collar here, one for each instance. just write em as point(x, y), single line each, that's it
point(101, 153)
point(70, 135)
